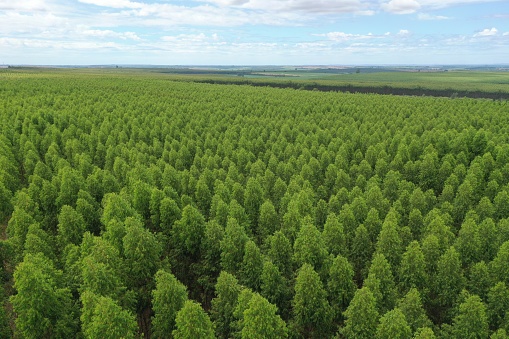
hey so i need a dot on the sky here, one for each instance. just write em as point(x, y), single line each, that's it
point(254, 32)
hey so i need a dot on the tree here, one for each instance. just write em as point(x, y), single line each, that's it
point(393, 325)
point(309, 246)
point(232, 246)
point(170, 214)
point(312, 312)
point(479, 279)
point(424, 333)
point(498, 305)
point(44, 307)
point(340, 285)
point(70, 184)
point(223, 305)
point(192, 322)
point(334, 236)
point(268, 221)
point(380, 275)
point(71, 226)
point(253, 199)
point(252, 266)
point(389, 242)
point(274, 287)
point(499, 267)
point(261, 321)
point(189, 230)
point(468, 242)
point(142, 252)
point(471, 322)
point(411, 306)
point(361, 316)
point(412, 272)
point(361, 252)
point(280, 252)
point(169, 297)
point(102, 317)
point(448, 283)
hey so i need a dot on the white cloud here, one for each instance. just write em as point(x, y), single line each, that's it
point(426, 16)
point(487, 32)
point(307, 6)
point(401, 6)
point(25, 5)
point(113, 3)
point(342, 36)
point(505, 34)
point(404, 32)
point(110, 34)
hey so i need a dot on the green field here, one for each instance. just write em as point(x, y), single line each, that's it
point(143, 204)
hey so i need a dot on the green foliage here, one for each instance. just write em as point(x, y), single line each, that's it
point(111, 178)
point(192, 322)
point(102, 317)
point(312, 312)
point(361, 316)
point(340, 285)
point(471, 322)
point(223, 305)
point(44, 307)
point(412, 308)
point(261, 321)
point(393, 324)
point(169, 297)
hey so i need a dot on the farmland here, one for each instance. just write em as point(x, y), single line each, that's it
point(140, 203)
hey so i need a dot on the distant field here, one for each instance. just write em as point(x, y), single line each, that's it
point(475, 84)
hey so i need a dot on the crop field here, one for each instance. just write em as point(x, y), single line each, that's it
point(143, 204)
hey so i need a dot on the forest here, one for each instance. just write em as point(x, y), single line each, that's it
point(136, 206)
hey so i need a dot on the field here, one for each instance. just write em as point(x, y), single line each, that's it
point(142, 203)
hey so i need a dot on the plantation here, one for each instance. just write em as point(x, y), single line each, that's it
point(135, 205)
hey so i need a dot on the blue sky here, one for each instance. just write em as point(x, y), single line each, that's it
point(254, 32)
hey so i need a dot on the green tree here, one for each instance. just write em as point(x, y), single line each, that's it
point(380, 275)
point(71, 226)
point(361, 252)
point(468, 242)
point(498, 305)
point(393, 325)
point(192, 322)
point(274, 287)
point(471, 322)
point(252, 266)
point(499, 267)
point(223, 305)
point(170, 214)
point(232, 246)
point(309, 246)
point(361, 316)
point(389, 242)
point(334, 236)
point(424, 333)
point(268, 221)
point(340, 285)
point(280, 252)
point(43, 306)
point(142, 252)
point(412, 271)
point(102, 317)
point(169, 297)
point(261, 321)
point(188, 232)
point(411, 306)
point(312, 312)
point(448, 283)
